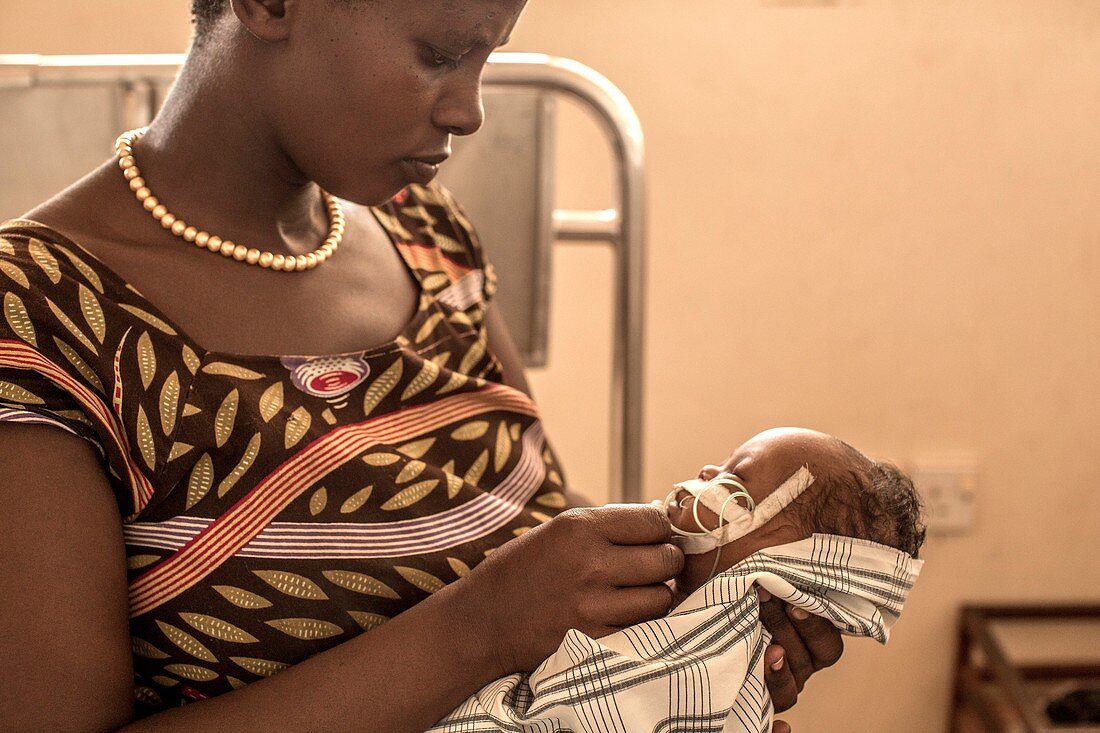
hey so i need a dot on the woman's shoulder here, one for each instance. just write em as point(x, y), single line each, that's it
point(71, 336)
point(45, 272)
point(429, 220)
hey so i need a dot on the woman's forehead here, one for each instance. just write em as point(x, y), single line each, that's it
point(471, 23)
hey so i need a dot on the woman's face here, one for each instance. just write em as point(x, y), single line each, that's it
point(367, 94)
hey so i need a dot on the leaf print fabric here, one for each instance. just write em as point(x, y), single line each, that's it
point(276, 506)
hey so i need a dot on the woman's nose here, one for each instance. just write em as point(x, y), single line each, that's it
point(460, 111)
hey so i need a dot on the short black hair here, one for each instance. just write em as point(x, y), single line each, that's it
point(204, 14)
point(864, 499)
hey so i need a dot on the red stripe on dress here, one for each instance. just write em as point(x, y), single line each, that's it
point(429, 257)
point(18, 354)
point(256, 509)
point(252, 518)
point(399, 538)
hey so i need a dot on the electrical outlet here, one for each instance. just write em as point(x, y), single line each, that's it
point(948, 486)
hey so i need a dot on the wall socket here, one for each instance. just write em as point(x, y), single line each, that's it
point(948, 487)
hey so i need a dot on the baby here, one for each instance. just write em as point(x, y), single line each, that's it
point(804, 516)
point(785, 485)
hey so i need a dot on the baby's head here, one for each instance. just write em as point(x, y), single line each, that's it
point(851, 495)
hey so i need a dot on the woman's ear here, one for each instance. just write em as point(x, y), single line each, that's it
point(266, 20)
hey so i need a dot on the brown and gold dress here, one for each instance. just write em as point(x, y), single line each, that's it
point(276, 506)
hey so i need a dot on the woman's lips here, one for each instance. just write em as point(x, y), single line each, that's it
point(419, 171)
point(423, 169)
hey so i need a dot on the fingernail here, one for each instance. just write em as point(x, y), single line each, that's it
point(764, 595)
point(799, 614)
point(777, 665)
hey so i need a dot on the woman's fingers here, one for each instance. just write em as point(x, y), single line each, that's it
point(630, 524)
point(644, 564)
point(821, 639)
point(801, 644)
point(796, 657)
point(780, 726)
point(778, 678)
point(629, 606)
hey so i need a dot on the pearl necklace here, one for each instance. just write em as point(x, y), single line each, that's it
point(124, 147)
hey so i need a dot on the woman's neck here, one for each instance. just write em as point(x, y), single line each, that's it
point(213, 157)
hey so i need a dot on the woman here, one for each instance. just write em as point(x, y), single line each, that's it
point(256, 486)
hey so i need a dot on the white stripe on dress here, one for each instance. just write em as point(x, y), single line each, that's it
point(465, 292)
point(8, 414)
point(474, 519)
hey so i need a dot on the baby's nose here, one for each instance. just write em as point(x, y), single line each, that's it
point(679, 511)
point(709, 471)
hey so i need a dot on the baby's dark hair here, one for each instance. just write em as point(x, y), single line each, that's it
point(863, 499)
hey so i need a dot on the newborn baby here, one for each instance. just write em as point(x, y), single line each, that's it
point(796, 482)
point(803, 515)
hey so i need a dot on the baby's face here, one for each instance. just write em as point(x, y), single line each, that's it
point(760, 465)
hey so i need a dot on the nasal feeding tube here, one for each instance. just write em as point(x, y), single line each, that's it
point(742, 519)
point(722, 479)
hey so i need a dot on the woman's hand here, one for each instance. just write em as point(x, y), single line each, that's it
point(801, 645)
point(594, 569)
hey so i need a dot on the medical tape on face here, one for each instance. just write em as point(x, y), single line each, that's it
point(735, 521)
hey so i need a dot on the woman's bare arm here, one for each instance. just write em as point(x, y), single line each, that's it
point(66, 642)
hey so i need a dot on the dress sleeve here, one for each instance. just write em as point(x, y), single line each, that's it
point(27, 398)
point(48, 375)
point(463, 231)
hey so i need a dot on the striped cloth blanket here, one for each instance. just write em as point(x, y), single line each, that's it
point(701, 668)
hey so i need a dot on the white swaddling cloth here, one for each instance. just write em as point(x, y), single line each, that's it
point(700, 668)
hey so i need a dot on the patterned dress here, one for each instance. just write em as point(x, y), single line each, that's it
point(276, 506)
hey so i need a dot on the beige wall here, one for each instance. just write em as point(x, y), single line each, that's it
point(879, 219)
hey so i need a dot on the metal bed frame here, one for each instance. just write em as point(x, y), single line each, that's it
point(623, 227)
point(981, 660)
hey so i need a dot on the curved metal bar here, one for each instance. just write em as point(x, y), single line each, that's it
point(622, 126)
point(25, 69)
point(533, 71)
